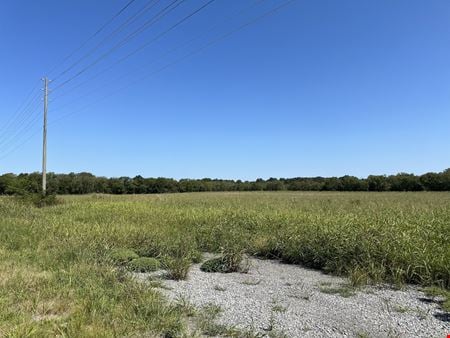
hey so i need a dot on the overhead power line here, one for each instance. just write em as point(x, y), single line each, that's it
point(96, 33)
point(21, 118)
point(161, 14)
point(162, 34)
point(19, 145)
point(19, 112)
point(149, 5)
point(186, 56)
point(20, 122)
point(23, 129)
point(210, 43)
point(187, 42)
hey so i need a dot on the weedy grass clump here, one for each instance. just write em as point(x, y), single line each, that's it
point(441, 294)
point(217, 264)
point(226, 263)
point(144, 264)
point(38, 199)
point(341, 290)
point(179, 253)
point(123, 256)
point(177, 267)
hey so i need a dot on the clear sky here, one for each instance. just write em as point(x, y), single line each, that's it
point(321, 87)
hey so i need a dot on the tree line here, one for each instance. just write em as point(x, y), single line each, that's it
point(86, 183)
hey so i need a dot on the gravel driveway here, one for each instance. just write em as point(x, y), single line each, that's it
point(298, 302)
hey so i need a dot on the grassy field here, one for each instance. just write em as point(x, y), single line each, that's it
point(56, 275)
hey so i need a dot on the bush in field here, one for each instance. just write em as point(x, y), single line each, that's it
point(230, 261)
point(41, 201)
point(177, 267)
point(179, 252)
point(38, 200)
point(123, 256)
point(144, 264)
point(219, 264)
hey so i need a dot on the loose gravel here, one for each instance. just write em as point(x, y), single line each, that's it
point(292, 301)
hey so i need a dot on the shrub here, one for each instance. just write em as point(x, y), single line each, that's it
point(144, 264)
point(178, 267)
point(39, 200)
point(123, 256)
point(214, 265)
point(228, 262)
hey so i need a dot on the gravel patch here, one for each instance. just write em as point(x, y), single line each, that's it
point(286, 299)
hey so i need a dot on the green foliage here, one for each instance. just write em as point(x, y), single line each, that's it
point(123, 256)
point(39, 200)
point(177, 267)
point(215, 265)
point(440, 293)
point(342, 290)
point(85, 183)
point(377, 183)
point(226, 263)
point(144, 264)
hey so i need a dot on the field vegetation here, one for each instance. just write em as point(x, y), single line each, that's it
point(64, 268)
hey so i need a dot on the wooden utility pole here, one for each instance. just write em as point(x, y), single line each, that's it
point(44, 144)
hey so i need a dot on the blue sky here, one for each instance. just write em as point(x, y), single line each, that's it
point(318, 88)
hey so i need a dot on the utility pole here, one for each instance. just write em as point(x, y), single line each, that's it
point(44, 144)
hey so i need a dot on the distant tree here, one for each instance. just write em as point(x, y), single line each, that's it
point(275, 185)
point(405, 182)
point(102, 185)
point(116, 186)
point(377, 183)
point(304, 184)
point(7, 184)
point(332, 184)
point(84, 183)
point(445, 180)
point(352, 183)
point(432, 181)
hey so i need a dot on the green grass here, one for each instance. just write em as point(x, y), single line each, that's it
point(341, 290)
point(123, 256)
point(224, 264)
point(437, 292)
point(144, 264)
point(57, 276)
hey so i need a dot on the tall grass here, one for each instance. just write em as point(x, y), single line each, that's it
point(56, 275)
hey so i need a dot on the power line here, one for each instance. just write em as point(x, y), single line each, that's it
point(150, 4)
point(123, 9)
point(22, 130)
point(184, 19)
point(20, 110)
point(161, 14)
point(187, 42)
point(20, 121)
point(24, 122)
point(196, 51)
point(20, 145)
